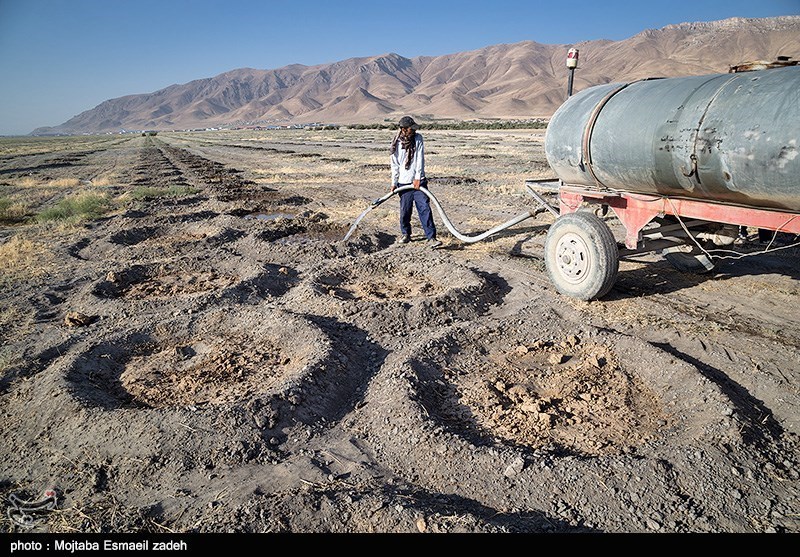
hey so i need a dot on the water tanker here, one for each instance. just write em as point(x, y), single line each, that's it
point(732, 138)
point(682, 162)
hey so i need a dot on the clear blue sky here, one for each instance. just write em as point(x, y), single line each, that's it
point(59, 58)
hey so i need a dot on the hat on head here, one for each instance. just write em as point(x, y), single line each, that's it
point(408, 122)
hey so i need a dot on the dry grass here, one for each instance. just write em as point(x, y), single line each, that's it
point(28, 182)
point(105, 180)
point(64, 183)
point(22, 259)
point(34, 199)
point(12, 209)
point(39, 145)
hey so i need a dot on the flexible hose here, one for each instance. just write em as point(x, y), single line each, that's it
point(464, 238)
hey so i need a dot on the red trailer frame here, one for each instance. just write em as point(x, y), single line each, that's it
point(636, 210)
point(582, 255)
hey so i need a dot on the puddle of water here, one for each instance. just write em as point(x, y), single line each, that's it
point(269, 216)
point(309, 237)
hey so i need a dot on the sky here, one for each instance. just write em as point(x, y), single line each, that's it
point(59, 58)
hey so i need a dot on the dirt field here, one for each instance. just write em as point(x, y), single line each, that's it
point(209, 355)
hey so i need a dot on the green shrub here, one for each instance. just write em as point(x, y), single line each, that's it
point(76, 208)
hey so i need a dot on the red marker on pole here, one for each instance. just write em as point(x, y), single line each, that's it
point(572, 63)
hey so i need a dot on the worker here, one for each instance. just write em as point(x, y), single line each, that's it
point(408, 168)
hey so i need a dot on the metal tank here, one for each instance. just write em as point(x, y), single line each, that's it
point(728, 138)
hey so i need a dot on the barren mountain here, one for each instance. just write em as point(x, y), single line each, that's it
point(506, 81)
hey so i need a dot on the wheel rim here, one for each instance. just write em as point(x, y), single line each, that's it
point(572, 258)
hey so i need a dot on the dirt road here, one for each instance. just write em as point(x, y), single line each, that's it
point(210, 356)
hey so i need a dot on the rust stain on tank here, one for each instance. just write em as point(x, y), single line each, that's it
point(780, 62)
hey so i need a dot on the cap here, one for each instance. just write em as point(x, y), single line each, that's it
point(408, 122)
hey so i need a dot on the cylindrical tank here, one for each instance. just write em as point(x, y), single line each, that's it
point(729, 138)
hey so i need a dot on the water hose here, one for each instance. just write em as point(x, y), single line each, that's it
point(464, 238)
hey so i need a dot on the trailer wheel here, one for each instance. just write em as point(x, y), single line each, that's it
point(581, 256)
point(688, 258)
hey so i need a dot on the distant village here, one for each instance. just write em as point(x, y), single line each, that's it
point(535, 123)
point(531, 123)
point(313, 126)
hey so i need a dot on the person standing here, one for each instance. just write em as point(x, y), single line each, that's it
point(408, 168)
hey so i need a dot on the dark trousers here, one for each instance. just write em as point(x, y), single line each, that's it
point(410, 198)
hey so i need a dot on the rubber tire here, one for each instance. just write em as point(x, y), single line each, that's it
point(581, 256)
point(688, 259)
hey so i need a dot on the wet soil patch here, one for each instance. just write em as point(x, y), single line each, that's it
point(385, 291)
point(265, 203)
point(75, 249)
point(133, 236)
point(281, 225)
point(309, 242)
point(194, 216)
point(316, 233)
point(273, 281)
point(295, 200)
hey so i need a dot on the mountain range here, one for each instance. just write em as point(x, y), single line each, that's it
point(516, 81)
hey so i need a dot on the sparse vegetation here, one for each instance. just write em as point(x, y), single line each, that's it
point(12, 210)
point(64, 183)
point(105, 180)
point(76, 208)
point(22, 259)
point(28, 182)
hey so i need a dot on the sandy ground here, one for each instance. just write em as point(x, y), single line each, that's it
point(211, 356)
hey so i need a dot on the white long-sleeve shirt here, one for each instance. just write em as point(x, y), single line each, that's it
point(416, 171)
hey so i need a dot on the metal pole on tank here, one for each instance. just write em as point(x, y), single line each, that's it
point(572, 63)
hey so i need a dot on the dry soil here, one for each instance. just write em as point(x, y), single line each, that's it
point(211, 356)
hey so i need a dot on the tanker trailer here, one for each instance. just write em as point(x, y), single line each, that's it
point(681, 162)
